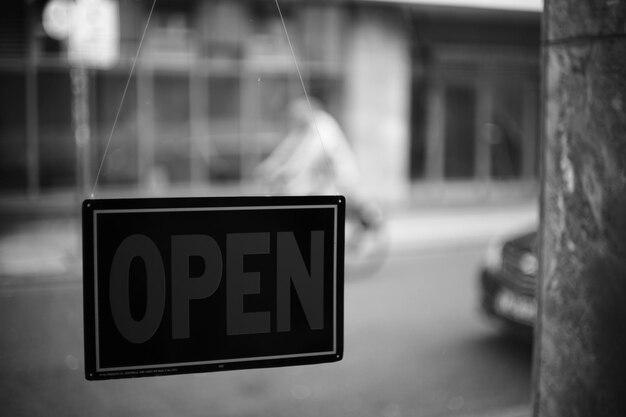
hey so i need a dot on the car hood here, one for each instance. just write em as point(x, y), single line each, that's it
point(526, 241)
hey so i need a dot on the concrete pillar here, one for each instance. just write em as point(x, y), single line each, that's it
point(580, 362)
point(378, 88)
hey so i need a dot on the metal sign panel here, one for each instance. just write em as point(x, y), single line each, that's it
point(181, 285)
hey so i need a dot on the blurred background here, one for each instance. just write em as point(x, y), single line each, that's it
point(438, 101)
point(441, 103)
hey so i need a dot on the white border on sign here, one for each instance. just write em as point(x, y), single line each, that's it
point(221, 361)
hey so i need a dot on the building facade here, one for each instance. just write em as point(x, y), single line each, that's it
point(438, 102)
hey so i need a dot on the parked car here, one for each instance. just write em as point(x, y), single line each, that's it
point(508, 282)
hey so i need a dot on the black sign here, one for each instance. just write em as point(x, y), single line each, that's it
point(184, 285)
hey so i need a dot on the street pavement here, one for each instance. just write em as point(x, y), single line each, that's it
point(438, 360)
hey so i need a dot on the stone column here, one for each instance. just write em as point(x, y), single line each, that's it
point(378, 87)
point(580, 361)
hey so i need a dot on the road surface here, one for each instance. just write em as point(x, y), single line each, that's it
point(415, 345)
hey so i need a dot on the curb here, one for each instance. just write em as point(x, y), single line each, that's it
point(46, 247)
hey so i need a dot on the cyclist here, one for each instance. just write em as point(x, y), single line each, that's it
point(316, 158)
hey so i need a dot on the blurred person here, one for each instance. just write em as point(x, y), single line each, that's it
point(316, 158)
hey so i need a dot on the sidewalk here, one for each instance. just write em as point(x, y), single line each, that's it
point(458, 226)
point(40, 250)
point(516, 411)
point(49, 247)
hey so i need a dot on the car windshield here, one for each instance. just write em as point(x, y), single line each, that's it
point(270, 208)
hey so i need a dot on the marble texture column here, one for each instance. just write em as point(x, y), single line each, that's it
point(580, 346)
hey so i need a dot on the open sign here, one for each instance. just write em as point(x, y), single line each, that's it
point(205, 284)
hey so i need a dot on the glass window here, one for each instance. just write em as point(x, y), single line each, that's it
point(488, 119)
point(131, 13)
point(322, 28)
point(13, 165)
point(418, 129)
point(506, 129)
point(224, 127)
point(13, 30)
point(267, 43)
point(172, 129)
point(120, 165)
point(264, 117)
point(273, 97)
point(459, 131)
point(224, 104)
point(206, 102)
point(56, 136)
point(328, 88)
point(171, 32)
point(222, 30)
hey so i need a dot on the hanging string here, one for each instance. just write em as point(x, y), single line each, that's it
point(306, 95)
point(136, 58)
point(119, 108)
